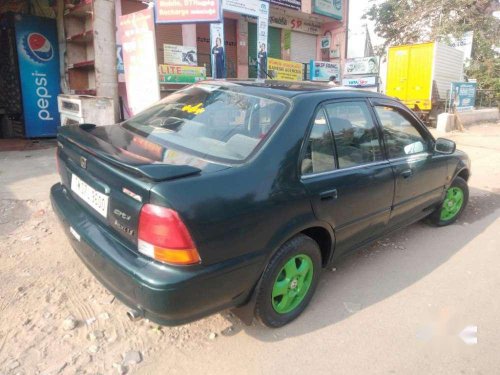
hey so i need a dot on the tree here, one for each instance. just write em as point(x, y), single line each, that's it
point(414, 21)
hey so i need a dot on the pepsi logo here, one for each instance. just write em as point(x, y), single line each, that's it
point(38, 47)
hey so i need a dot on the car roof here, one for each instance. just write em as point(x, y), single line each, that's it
point(290, 89)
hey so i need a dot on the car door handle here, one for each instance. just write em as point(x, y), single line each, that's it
point(407, 173)
point(328, 195)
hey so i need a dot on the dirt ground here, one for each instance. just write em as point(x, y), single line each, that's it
point(397, 307)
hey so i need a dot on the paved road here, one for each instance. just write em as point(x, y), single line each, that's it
point(398, 306)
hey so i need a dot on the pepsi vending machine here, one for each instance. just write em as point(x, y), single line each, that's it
point(37, 50)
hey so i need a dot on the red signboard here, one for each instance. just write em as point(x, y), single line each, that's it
point(187, 11)
point(139, 58)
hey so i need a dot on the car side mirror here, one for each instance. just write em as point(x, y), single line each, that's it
point(445, 146)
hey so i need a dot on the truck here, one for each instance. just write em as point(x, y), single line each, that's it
point(420, 75)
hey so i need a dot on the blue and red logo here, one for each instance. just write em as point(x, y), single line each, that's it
point(38, 47)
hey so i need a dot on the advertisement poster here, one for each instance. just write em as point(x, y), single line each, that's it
point(181, 74)
point(361, 65)
point(247, 7)
point(218, 51)
point(360, 82)
point(463, 96)
point(38, 55)
point(329, 8)
point(139, 59)
point(262, 30)
point(285, 70)
point(180, 55)
point(323, 71)
point(288, 22)
point(292, 4)
point(184, 11)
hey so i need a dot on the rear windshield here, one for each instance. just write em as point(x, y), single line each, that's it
point(211, 121)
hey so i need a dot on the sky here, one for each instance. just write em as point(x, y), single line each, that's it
point(356, 45)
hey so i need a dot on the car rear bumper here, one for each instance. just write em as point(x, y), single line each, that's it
point(168, 295)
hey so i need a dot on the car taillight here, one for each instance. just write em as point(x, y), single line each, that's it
point(163, 236)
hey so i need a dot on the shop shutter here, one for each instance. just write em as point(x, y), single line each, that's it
point(274, 47)
point(303, 48)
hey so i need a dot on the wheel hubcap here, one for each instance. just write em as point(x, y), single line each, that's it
point(452, 203)
point(292, 283)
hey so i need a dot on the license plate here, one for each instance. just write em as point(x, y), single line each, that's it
point(91, 196)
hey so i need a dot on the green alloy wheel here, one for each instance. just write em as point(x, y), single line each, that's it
point(292, 283)
point(288, 282)
point(452, 203)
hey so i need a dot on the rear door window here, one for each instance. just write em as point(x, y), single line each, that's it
point(356, 137)
point(211, 121)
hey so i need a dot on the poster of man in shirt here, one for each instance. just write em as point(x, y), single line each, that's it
point(217, 50)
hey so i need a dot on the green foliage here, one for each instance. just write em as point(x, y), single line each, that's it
point(413, 21)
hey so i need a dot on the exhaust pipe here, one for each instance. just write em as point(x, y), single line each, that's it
point(134, 315)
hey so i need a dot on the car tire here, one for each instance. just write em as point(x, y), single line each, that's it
point(453, 205)
point(284, 290)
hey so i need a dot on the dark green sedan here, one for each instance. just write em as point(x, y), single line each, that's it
point(238, 193)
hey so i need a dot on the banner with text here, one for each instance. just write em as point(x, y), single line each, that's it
point(179, 55)
point(181, 74)
point(324, 71)
point(139, 59)
point(262, 31)
point(360, 82)
point(168, 11)
point(463, 96)
point(217, 50)
point(292, 4)
point(285, 70)
point(247, 7)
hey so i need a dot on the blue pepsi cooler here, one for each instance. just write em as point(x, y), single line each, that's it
point(37, 49)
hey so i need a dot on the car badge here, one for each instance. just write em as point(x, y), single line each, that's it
point(83, 162)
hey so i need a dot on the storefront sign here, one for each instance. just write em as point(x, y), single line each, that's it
point(360, 82)
point(463, 96)
point(262, 31)
point(292, 4)
point(218, 51)
point(285, 70)
point(302, 25)
point(324, 71)
point(329, 8)
point(179, 55)
point(184, 11)
point(247, 7)
point(181, 74)
point(361, 65)
point(139, 59)
point(38, 56)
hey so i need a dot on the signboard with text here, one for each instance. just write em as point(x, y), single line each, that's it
point(181, 74)
point(139, 59)
point(292, 4)
point(248, 7)
point(323, 71)
point(329, 8)
point(463, 96)
point(285, 70)
point(183, 11)
point(179, 55)
point(262, 32)
point(38, 56)
point(361, 65)
point(284, 21)
point(360, 82)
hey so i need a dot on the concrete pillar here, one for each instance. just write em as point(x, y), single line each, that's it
point(242, 52)
point(106, 76)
